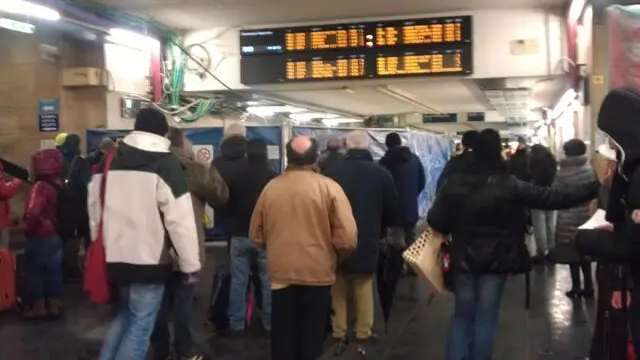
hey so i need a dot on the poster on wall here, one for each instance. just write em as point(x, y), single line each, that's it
point(48, 115)
point(623, 26)
point(203, 153)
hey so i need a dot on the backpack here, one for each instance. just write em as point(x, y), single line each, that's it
point(69, 206)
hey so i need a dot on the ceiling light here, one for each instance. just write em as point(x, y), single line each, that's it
point(271, 110)
point(132, 39)
point(29, 9)
point(18, 26)
point(336, 121)
point(308, 116)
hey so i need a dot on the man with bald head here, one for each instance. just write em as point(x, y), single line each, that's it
point(333, 156)
point(304, 221)
point(374, 200)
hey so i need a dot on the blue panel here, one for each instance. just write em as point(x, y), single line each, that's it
point(475, 116)
point(439, 118)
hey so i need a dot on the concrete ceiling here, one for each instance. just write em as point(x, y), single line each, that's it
point(204, 14)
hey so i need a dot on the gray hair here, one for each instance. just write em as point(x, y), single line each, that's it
point(235, 129)
point(358, 139)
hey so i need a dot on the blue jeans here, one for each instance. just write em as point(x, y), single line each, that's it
point(475, 318)
point(128, 337)
point(43, 268)
point(544, 230)
point(242, 253)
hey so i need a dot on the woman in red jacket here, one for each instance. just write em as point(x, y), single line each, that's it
point(43, 250)
point(8, 189)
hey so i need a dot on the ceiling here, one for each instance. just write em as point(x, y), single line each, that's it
point(204, 14)
point(422, 95)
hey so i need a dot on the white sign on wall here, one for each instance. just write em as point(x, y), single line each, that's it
point(203, 153)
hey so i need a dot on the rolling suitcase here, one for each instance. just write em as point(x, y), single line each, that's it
point(7, 281)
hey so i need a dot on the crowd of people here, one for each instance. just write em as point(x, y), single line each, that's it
point(314, 231)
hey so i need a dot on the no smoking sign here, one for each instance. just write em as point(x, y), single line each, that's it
point(203, 153)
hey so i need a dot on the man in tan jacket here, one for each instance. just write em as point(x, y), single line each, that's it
point(304, 221)
point(206, 187)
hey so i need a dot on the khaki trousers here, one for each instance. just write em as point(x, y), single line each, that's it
point(363, 297)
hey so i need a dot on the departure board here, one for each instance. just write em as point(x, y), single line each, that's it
point(396, 48)
point(420, 63)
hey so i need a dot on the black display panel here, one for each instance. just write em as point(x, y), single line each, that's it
point(366, 35)
point(419, 47)
point(285, 68)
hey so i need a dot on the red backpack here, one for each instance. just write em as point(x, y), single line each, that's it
point(96, 283)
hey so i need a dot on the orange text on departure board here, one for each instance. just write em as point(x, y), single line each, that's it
point(324, 69)
point(295, 41)
point(418, 64)
point(419, 34)
point(324, 40)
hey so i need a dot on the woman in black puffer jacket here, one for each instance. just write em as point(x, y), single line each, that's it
point(482, 211)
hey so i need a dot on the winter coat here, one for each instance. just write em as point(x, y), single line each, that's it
point(455, 165)
point(304, 221)
point(145, 197)
point(206, 187)
point(573, 171)
point(40, 211)
point(330, 159)
point(409, 178)
point(76, 172)
point(8, 189)
point(245, 187)
point(232, 158)
point(482, 211)
point(374, 200)
point(543, 169)
point(519, 164)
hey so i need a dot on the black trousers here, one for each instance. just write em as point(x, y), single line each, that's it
point(177, 304)
point(586, 273)
point(298, 322)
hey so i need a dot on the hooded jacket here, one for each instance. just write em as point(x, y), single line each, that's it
point(145, 196)
point(409, 178)
point(8, 189)
point(76, 173)
point(232, 159)
point(456, 165)
point(206, 187)
point(40, 211)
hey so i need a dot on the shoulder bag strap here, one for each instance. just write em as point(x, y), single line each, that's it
point(70, 170)
point(103, 183)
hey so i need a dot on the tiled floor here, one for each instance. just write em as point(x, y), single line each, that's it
point(554, 329)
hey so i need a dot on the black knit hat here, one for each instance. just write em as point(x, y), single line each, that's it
point(151, 121)
point(392, 140)
point(574, 147)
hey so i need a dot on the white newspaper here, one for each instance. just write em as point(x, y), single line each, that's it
point(596, 221)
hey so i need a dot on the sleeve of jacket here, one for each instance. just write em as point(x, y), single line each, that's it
point(174, 202)
point(8, 189)
point(554, 198)
point(422, 178)
point(208, 185)
point(344, 231)
point(94, 207)
point(390, 198)
point(437, 216)
point(256, 225)
point(36, 201)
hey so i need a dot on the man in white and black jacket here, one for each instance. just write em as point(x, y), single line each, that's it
point(146, 197)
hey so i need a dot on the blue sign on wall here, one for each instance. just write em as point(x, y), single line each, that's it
point(48, 116)
point(475, 116)
point(439, 118)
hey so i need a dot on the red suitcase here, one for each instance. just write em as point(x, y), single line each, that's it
point(7, 281)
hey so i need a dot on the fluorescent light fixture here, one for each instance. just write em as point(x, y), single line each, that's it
point(18, 26)
point(29, 9)
point(337, 121)
point(263, 111)
point(132, 39)
point(308, 116)
point(563, 104)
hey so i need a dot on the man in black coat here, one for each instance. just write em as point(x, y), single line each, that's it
point(409, 178)
point(520, 160)
point(333, 156)
point(460, 162)
point(245, 187)
point(232, 159)
point(373, 197)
